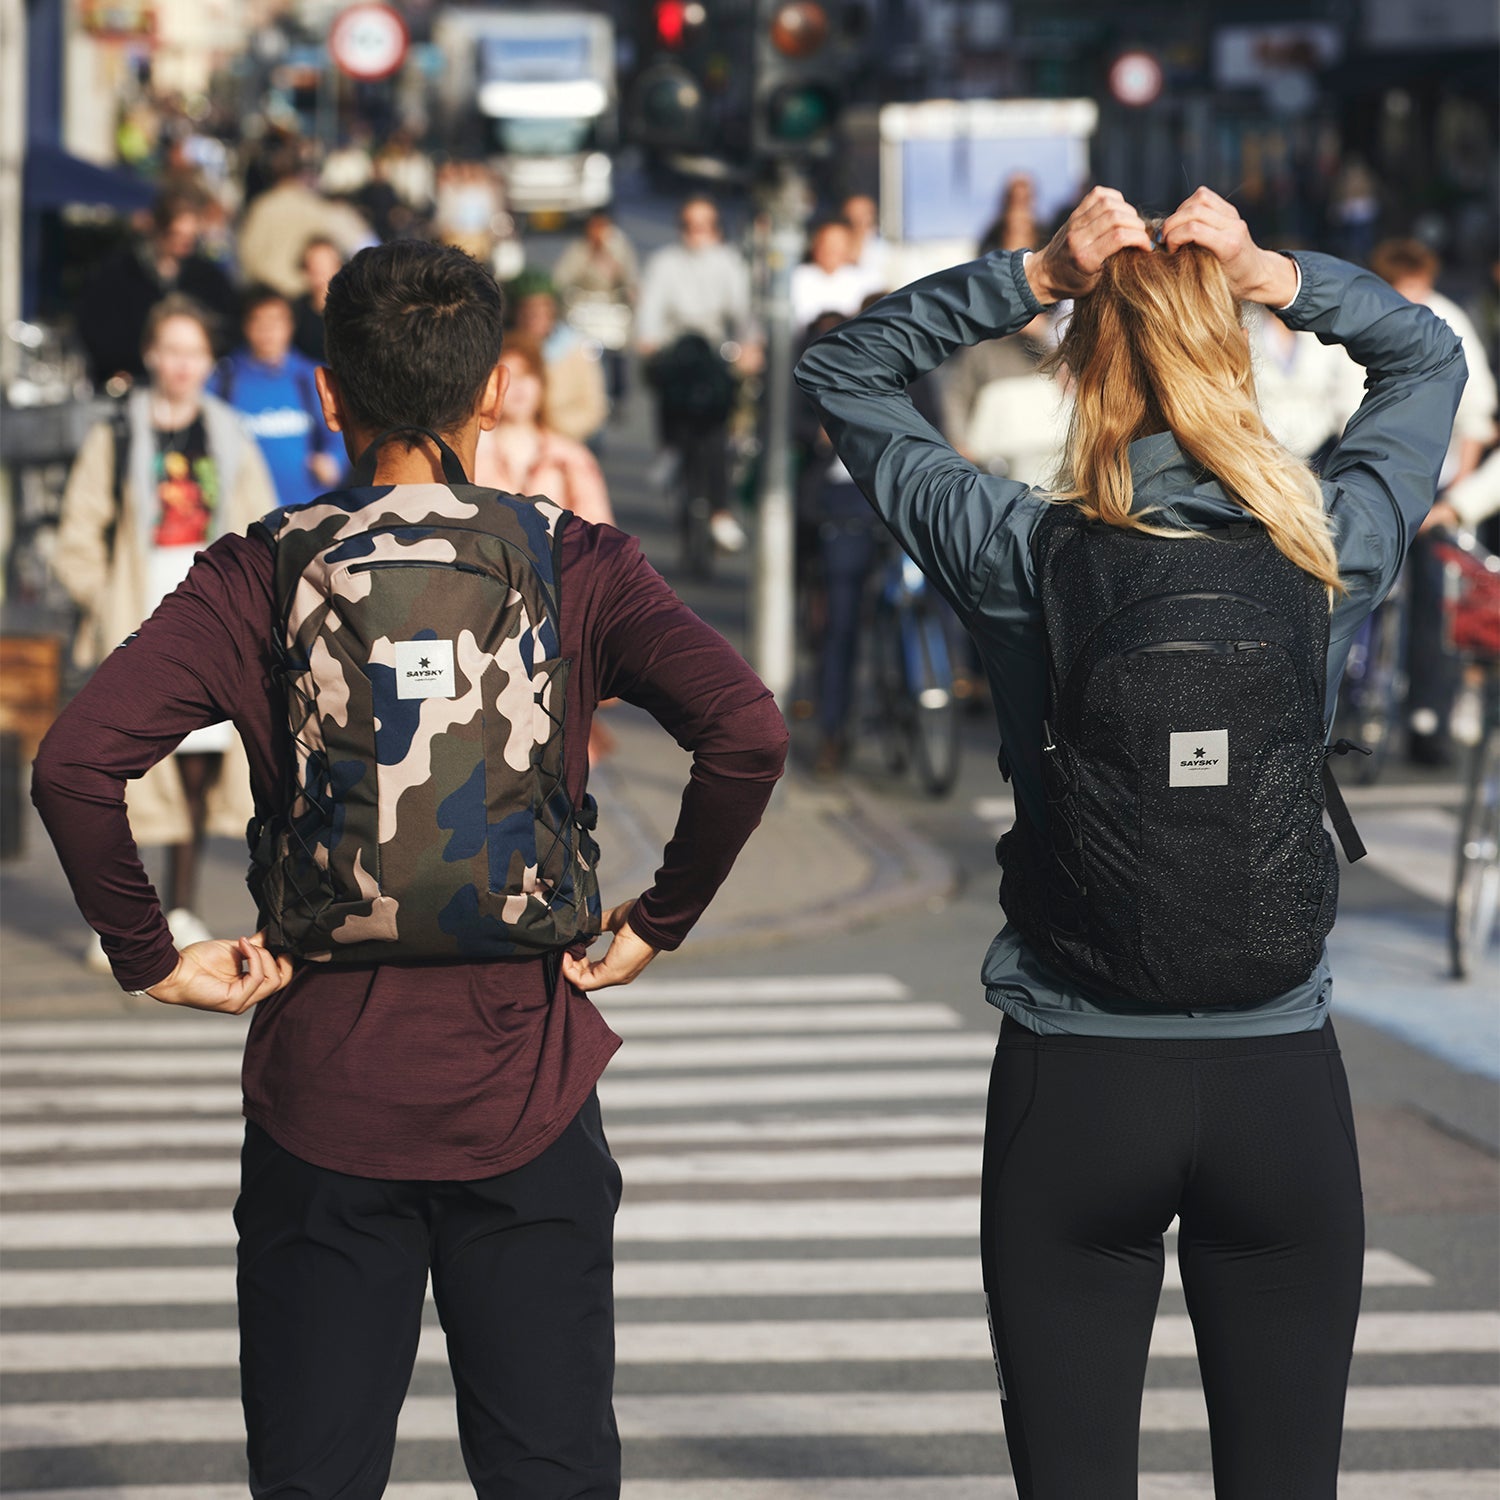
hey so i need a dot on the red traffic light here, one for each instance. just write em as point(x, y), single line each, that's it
point(799, 28)
point(675, 19)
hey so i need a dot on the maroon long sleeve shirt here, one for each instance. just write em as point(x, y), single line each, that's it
point(433, 1071)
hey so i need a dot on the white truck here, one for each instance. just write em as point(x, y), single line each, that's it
point(539, 85)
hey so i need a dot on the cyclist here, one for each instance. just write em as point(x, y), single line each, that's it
point(1112, 1109)
point(695, 309)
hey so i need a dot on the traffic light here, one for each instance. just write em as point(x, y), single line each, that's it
point(666, 106)
point(679, 23)
point(802, 59)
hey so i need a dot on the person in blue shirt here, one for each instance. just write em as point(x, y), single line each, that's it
point(270, 384)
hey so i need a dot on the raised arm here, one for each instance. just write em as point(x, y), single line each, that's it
point(942, 510)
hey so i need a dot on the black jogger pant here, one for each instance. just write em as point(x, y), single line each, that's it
point(1092, 1145)
point(332, 1272)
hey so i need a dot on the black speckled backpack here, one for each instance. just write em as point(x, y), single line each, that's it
point(1184, 864)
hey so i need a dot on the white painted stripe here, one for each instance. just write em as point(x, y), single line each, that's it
point(174, 1027)
point(885, 1164)
point(617, 1093)
point(146, 1286)
point(634, 1057)
point(967, 1124)
point(23, 1039)
point(86, 1424)
point(799, 1341)
point(1390, 794)
point(672, 1220)
point(1408, 1484)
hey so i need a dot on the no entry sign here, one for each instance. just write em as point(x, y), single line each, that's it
point(368, 41)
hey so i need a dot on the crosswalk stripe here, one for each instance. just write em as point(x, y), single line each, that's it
point(794, 1341)
point(854, 988)
point(893, 1163)
point(670, 1220)
point(617, 1093)
point(33, 1137)
point(723, 1280)
point(20, 1039)
point(86, 1424)
point(1427, 1484)
point(635, 1056)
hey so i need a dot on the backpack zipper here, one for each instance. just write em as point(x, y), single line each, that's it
point(1214, 648)
point(416, 562)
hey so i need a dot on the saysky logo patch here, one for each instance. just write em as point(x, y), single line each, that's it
point(424, 669)
point(1199, 757)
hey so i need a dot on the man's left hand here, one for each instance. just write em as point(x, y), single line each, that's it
point(623, 961)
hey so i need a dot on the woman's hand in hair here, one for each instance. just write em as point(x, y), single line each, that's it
point(1101, 225)
point(1255, 275)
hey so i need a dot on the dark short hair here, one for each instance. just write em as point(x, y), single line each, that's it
point(257, 295)
point(172, 202)
point(412, 330)
point(1394, 260)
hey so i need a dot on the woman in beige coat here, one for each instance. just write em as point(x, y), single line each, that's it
point(130, 528)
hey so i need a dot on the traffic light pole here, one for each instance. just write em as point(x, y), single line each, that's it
point(773, 616)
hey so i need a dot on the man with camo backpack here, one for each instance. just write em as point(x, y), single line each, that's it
point(413, 664)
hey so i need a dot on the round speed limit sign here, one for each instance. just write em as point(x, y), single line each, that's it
point(368, 42)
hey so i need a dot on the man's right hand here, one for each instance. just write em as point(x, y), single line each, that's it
point(226, 974)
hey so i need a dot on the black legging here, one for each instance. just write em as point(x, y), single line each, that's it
point(1092, 1145)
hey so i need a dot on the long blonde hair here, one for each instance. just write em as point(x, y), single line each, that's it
point(1158, 346)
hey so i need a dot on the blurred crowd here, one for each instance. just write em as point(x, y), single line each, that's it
point(207, 328)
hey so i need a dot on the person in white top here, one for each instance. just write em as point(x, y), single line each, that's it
point(872, 253)
point(1307, 389)
point(828, 281)
point(1435, 674)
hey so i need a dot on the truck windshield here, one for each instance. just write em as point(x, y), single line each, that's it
point(541, 137)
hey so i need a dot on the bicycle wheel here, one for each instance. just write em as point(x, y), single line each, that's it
point(934, 709)
point(892, 703)
point(1476, 886)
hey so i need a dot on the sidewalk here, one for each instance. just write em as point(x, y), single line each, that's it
point(822, 860)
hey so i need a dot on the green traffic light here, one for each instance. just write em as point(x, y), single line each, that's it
point(799, 113)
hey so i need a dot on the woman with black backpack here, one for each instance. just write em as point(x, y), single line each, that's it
point(1164, 630)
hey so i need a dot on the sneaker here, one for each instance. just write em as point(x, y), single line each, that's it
point(187, 928)
point(728, 534)
point(94, 958)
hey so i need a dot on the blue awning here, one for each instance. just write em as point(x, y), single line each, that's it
point(54, 179)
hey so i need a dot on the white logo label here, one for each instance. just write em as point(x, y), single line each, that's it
point(1199, 758)
point(424, 669)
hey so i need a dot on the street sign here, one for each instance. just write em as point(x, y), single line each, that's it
point(1135, 78)
point(368, 42)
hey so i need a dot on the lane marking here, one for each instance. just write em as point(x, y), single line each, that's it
point(174, 1286)
point(634, 1057)
point(616, 1093)
point(795, 1341)
point(58, 1425)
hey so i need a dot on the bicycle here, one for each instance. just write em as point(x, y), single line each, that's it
point(1374, 684)
point(1471, 620)
point(917, 710)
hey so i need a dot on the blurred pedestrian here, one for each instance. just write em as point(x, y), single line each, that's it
point(430, 1119)
point(170, 472)
point(872, 253)
point(285, 217)
point(524, 455)
point(270, 384)
point(116, 302)
point(598, 278)
point(1163, 705)
point(828, 280)
point(1307, 389)
point(1015, 225)
point(577, 402)
point(694, 328)
point(321, 262)
point(1434, 672)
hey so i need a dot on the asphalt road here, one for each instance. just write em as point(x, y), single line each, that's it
point(799, 1127)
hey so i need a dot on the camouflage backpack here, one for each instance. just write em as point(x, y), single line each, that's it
point(419, 646)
